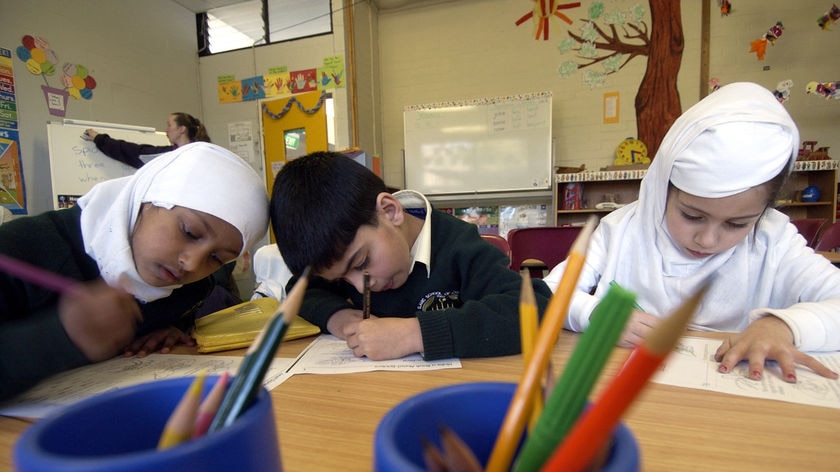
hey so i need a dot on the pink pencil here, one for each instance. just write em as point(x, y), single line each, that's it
point(210, 406)
point(37, 275)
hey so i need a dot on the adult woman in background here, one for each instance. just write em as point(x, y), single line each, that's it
point(181, 128)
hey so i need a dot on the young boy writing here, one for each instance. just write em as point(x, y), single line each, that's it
point(705, 213)
point(436, 287)
point(140, 250)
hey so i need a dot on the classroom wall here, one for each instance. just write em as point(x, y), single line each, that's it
point(433, 52)
point(145, 66)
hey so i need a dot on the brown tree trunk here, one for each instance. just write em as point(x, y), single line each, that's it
point(658, 100)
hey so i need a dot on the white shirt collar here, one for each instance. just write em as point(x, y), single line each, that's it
point(421, 250)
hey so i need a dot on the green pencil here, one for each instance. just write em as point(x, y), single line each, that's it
point(569, 395)
point(248, 381)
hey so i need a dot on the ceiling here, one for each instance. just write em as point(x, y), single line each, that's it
point(200, 6)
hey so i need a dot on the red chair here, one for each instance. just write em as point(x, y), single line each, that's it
point(829, 240)
point(809, 228)
point(499, 242)
point(540, 248)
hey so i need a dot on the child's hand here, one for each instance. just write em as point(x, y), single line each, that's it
point(637, 328)
point(384, 338)
point(164, 339)
point(100, 320)
point(767, 339)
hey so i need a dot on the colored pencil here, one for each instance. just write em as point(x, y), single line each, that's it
point(528, 324)
point(458, 455)
point(248, 381)
point(569, 395)
point(208, 408)
point(366, 296)
point(179, 426)
point(596, 425)
point(38, 276)
point(555, 314)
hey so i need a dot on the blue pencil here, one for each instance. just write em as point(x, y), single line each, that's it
point(248, 381)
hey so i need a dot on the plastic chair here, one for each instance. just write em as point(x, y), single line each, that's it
point(829, 240)
point(499, 242)
point(540, 248)
point(809, 228)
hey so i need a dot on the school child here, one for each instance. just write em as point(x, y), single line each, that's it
point(140, 250)
point(705, 213)
point(436, 287)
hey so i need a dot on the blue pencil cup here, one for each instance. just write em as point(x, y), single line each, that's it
point(474, 411)
point(118, 431)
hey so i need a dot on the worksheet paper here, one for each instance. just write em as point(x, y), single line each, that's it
point(325, 355)
point(83, 382)
point(692, 365)
point(329, 355)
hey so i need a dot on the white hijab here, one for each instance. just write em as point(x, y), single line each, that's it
point(738, 137)
point(200, 176)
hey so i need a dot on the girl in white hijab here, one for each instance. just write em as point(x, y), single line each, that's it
point(704, 213)
point(141, 249)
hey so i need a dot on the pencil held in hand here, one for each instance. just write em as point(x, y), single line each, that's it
point(179, 426)
point(596, 425)
point(366, 297)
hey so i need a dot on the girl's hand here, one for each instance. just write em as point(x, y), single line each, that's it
point(100, 320)
point(767, 339)
point(163, 339)
point(637, 328)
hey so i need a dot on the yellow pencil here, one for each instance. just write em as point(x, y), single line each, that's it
point(179, 426)
point(522, 402)
point(528, 322)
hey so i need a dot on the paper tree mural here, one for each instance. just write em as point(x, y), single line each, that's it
point(611, 39)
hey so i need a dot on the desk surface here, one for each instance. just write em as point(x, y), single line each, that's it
point(327, 422)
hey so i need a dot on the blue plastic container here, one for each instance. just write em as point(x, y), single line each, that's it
point(119, 431)
point(474, 411)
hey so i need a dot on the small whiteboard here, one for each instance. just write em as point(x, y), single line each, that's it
point(77, 165)
point(479, 146)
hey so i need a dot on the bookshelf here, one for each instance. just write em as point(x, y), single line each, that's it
point(623, 187)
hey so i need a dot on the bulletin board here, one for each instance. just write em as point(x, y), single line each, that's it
point(77, 165)
point(479, 146)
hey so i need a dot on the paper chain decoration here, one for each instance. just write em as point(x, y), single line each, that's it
point(294, 101)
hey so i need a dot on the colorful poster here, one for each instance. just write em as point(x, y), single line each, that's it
point(12, 194)
point(303, 80)
point(230, 92)
point(331, 74)
point(486, 218)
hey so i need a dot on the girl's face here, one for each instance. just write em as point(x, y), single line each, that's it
point(173, 130)
point(383, 251)
point(703, 227)
point(180, 246)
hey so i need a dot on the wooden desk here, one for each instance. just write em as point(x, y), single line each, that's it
point(327, 422)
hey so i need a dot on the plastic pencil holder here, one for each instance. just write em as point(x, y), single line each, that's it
point(474, 411)
point(119, 431)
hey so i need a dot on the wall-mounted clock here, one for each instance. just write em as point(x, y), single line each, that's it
point(631, 151)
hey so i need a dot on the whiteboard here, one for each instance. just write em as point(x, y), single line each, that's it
point(479, 146)
point(77, 165)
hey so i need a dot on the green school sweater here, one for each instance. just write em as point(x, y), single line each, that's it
point(467, 307)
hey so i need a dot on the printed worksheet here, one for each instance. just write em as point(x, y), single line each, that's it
point(329, 355)
point(692, 365)
point(78, 384)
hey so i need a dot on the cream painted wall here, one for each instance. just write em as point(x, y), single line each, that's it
point(142, 55)
point(471, 48)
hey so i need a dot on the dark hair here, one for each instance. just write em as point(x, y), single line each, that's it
point(195, 129)
point(318, 203)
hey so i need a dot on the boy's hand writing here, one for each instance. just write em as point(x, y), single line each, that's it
point(100, 320)
point(163, 339)
point(767, 339)
point(377, 338)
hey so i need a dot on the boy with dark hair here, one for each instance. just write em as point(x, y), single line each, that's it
point(436, 287)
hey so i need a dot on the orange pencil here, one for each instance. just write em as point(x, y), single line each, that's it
point(179, 426)
point(210, 406)
point(522, 403)
point(589, 434)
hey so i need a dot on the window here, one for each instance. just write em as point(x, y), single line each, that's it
point(247, 24)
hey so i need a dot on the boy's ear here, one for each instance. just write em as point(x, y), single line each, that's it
point(390, 207)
